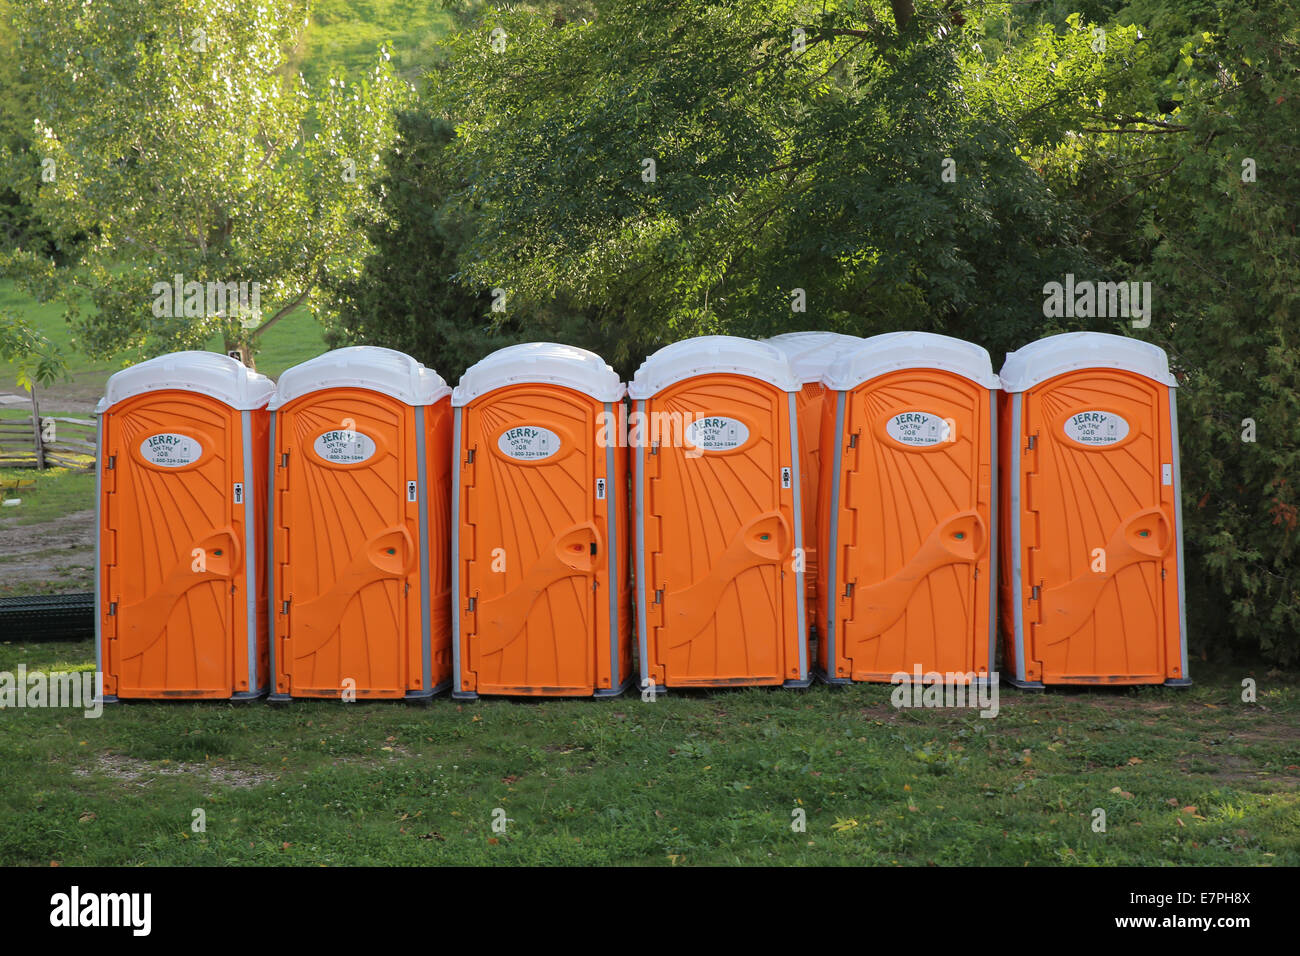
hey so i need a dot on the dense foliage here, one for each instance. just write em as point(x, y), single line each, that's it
point(619, 174)
point(1099, 138)
point(411, 296)
point(174, 134)
point(749, 168)
point(1224, 254)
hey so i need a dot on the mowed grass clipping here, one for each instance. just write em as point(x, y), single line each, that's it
point(1191, 777)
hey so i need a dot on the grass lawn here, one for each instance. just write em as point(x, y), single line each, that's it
point(345, 36)
point(295, 338)
point(1192, 777)
point(47, 318)
point(45, 494)
point(50, 494)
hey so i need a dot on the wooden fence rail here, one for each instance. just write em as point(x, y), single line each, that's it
point(30, 440)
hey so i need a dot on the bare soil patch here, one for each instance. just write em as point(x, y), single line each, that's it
point(46, 551)
point(143, 773)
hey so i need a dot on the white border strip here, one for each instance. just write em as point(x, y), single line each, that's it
point(994, 538)
point(1178, 530)
point(1017, 570)
point(611, 551)
point(422, 503)
point(250, 551)
point(796, 479)
point(832, 562)
point(641, 582)
point(457, 679)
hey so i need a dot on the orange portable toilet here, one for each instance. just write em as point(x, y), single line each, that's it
point(720, 599)
point(360, 526)
point(180, 561)
point(1092, 581)
point(810, 355)
point(909, 489)
point(541, 584)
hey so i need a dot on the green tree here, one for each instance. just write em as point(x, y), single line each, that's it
point(1225, 257)
point(690, 169)
point(18, 224)
point(38, 360)
point(173, 130)
point(407, 296)
point(1180, 165)
point(411, 294)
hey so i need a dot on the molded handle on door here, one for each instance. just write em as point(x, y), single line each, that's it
point(572, 554)
point(959, 539)
point(389, 555)
point(764, 540)
point(143, 623)
point(1144, 536)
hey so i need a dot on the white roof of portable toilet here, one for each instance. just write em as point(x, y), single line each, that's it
point(547, 363)
point(726, 354)
point(208, 373)
point(1070, 351)
point(811, 353)
point(362, 366)
point(898, 350)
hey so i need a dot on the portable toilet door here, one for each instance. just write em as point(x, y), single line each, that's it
point(180, 560)
point(810, 355)
point(541, 580)
point(1093, 579)
point(909, 491)
point(359, 528)
point(719, 516)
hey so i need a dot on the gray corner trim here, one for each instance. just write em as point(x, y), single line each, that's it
point(1025, 684)
point(1017, 570)
point(250, 550)
point(611, 549)
point(272, 462)
point(796, 480)
point(422, 503)
point(605, 693)
point(831, 546)
point(1178, 528)
point(99, 534)
point(457, 678)
point(642, 585)
point(994, 537)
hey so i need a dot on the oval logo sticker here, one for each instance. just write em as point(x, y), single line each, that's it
point(169, 450)
point(716, 433)
point(528, 443)
point(343, 447)
point(920, 429)
point(1096, 428)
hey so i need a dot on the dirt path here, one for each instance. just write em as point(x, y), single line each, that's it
point(58, 553)
point(79, 400)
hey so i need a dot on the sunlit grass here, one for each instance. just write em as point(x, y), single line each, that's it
point(702, 778)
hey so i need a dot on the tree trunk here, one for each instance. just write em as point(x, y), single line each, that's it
point(903, 12)
point(241, 351)
point(36, 430)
